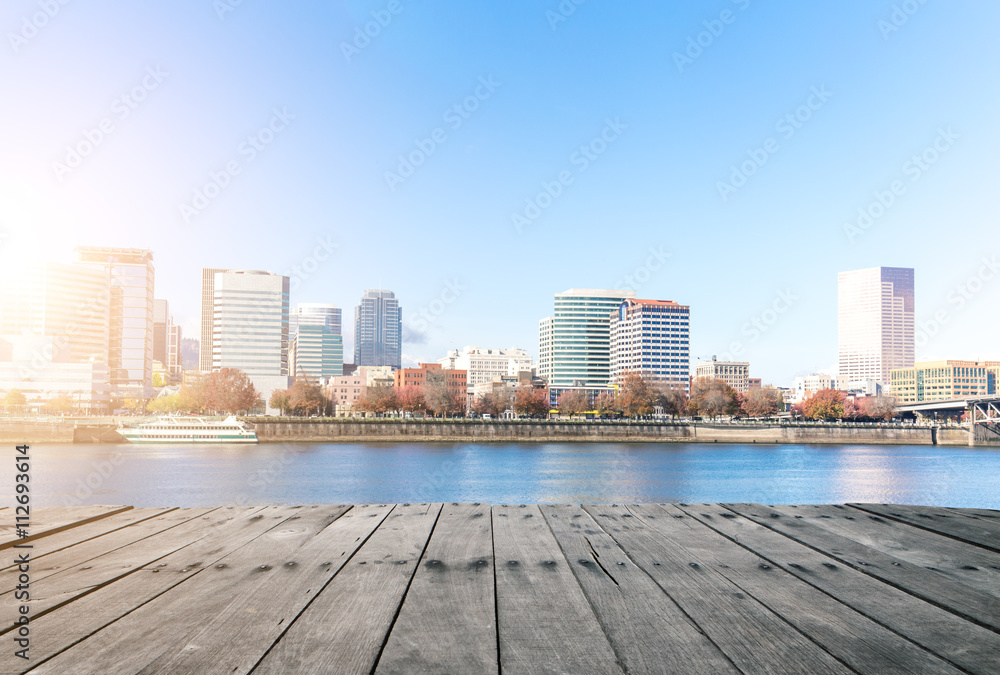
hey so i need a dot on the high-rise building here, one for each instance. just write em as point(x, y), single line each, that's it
point(378, 330)
point(483, 365)
point(69, 303)
point(317, 347)
point(734, 373)
point(166, 340)
point(207, 316)
point(652, 338)
point(130, 318)
point(945, 380)
point(575, 342)
point(250, 327)
point(875, 332)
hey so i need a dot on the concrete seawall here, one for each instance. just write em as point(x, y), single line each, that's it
point(593, 432)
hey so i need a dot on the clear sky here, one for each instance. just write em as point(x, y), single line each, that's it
point(614, 108)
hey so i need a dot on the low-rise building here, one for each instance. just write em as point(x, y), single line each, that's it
point(31, 365)
point(945, 380)
point(483, 365)
point(457, 380)
point(734, 373)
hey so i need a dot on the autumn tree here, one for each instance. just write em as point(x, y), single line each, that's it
point(672, 397)
point(281, 401)
point(531, 402)
point(711, 398)
point(411, 399)
point(606, 405)
point(881, 407)
point(14, 397)
point(378, 400)
point(761, 402)
point(60, 404)
point(825, 404)
point(489, 404)
point(573, 402)
point(229, 390)
point(441, 398)
point(172, 403)
point(191, 397)
point(636, 396)
point(305, 397)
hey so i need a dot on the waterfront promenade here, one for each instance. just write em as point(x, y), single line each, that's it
point(474, 588)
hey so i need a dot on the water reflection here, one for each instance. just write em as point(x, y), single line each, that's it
point(550, 473)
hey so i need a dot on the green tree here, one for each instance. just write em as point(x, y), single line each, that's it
point(60, 404)
point(825, 404)
point(159, 380)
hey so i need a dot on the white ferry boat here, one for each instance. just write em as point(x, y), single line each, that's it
point(174, 429)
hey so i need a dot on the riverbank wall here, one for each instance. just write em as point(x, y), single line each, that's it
point(355, 430)
point(542, 431)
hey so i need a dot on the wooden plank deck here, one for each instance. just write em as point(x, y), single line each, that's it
point(479, 588)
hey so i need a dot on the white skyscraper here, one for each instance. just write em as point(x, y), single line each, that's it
point(250, 327)
point(574, 344)
point(875, 331)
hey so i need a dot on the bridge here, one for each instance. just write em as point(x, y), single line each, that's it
point(983, 415)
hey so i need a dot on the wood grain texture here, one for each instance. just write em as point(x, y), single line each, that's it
point(753, 637)
point(222, 532)
point(964, 529)
point(923, 583)
point(649, 632)
point(447, 623)
point(53, 520)
point(954, 639)
point(955, 560)
point(859, 642)
point(344, 628)
point(546, 623)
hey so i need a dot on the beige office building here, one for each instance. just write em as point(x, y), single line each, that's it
point(875, 332)
point(734, 373)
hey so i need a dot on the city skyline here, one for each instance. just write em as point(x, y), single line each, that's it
point(736, 168)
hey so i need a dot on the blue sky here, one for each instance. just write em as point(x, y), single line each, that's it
point(663, 126)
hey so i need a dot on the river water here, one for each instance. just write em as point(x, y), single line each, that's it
point(206, 475)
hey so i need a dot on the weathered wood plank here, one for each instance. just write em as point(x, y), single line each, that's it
point(546, 624)
point(52, 520)
point(447, 623)
point(346, 625)
point(223, 531)
point(52, 591)
point(98, 528)
point(956, 560)
point(753, 637)
point(862, 644)
point(235, 637)
point(926, 584)
point(44, 564)
point(649, 632)
point(963, 529)
point(956, 640)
